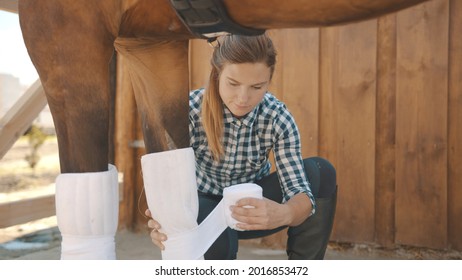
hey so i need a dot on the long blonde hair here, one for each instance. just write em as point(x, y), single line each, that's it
point(231, 49)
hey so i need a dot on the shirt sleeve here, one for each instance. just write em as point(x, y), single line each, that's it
point(194, 111)
point(288, 158)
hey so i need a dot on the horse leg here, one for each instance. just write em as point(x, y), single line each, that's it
point(71, 49)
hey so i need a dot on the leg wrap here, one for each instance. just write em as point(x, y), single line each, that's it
point(87, 207)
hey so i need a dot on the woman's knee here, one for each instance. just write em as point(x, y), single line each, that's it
point(326, 168)
point(323, 174)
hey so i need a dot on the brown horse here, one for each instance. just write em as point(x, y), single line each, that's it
point(72, 42)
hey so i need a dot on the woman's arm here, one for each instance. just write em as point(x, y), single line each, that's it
point(300, 208)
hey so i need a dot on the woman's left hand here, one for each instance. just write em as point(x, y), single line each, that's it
point(260, 214)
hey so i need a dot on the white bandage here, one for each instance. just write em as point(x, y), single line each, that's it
point(87, 208)
point(171, 192)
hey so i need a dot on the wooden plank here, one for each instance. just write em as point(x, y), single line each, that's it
point(126, 116)
point(300, 72)
point(277, 81)
point(421, 133)
point(347, 124)
point(9, 5)
point(385, 138)
point(327, 147)
point(200, 54)
point(23, 211)
point(355, 98)
point(20, 117)
point(455, 126)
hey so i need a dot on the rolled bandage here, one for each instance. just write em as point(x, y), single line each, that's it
point(171, 192)
point(232, 194)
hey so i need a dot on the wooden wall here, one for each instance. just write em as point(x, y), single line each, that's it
point(382, 100)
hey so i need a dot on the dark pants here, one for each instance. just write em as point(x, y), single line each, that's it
point(305, 241)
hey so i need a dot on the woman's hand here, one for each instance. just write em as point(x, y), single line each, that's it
point(260, 214)
point(157, 237)
point(266, 214)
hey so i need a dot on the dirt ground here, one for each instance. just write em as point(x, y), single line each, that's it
point(41, 239)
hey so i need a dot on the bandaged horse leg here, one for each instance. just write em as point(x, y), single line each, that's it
point(171, 190)
point(87, 207)
point(77, 87)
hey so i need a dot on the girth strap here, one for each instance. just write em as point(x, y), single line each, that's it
point(209, 18)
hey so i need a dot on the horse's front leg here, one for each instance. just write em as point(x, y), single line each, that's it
point(71, 49)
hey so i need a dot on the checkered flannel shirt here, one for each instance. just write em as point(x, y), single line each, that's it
point(247, 143)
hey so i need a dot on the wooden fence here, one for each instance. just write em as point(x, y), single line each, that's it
point(382, 100)
point(26, 210)
point(15, 122)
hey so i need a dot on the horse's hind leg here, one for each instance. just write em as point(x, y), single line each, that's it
point(159, 71)
point(71, 50)
point(160, 78)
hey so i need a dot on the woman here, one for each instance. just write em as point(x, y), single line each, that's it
point(234, 124)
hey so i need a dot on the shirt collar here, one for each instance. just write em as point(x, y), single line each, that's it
point(246, 120)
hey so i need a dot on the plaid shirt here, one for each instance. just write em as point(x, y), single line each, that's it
point(247, 142)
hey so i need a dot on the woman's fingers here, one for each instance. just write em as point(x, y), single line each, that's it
point(148, 213)
point(157, 237)
point(250, 207)
point(250, 202)
point(251, 214)
point(257, 214)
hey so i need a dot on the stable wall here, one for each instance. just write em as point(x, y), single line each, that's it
point(382, 100)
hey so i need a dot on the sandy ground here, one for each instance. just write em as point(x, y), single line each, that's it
point(45, 245)
point(40, 240)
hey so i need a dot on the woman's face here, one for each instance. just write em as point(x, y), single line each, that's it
point(242, 86)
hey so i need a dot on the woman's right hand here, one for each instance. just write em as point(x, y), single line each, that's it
point(157, 237)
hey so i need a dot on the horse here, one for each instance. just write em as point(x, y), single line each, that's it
point(71, 44)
